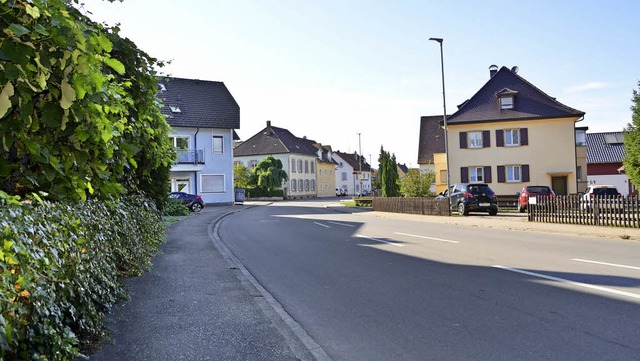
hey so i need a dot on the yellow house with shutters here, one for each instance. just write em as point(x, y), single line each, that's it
point(509, 135)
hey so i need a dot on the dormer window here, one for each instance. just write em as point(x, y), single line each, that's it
point(506, 102)
point(175, 109)
point(506, 97)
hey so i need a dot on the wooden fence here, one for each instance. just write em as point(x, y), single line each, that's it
point(423, 205)
point(597, 211)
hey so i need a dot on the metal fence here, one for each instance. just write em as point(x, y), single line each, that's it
point(597, 211)
point(422, 205)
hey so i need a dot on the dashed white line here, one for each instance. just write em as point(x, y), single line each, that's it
point(342, 224)
point(379, 240)
point(605, 263)
point(323, 225)
point(425, 237)
point(562, 280)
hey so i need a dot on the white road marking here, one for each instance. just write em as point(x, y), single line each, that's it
point(425, 237)
point(605, 263)
point(562, 280)
point(379, 240)
point(342, 224)
point(323, 225)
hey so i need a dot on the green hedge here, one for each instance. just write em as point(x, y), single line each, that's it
point(61, 264)
point(259, 193)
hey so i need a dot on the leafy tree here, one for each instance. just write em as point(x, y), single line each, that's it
point(388, 174)
point(632, 141)
point(78, 113)
point(242, 176)
point(416, 184)
point(269, 173)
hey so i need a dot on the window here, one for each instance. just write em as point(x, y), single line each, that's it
point(506, 102)
point(476, 174)
point(237, 162)
point(475, 139)
point(253, 163)
point(579, 173)
point(217, 144)
point(293, 185)
point(513, 173)
point(313, 185)
point(306, 166)
point(313, 167)
point(180, 142)
point(443, 176)
point(306, 185)
point(293, 165)
point(212, 183)
point(344, 176)
point(512, 137)
point(300, 185)
point(299, 165)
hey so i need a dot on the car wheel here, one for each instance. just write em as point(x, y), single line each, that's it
point(462, 209)
point(493, 212)
point(196, 207)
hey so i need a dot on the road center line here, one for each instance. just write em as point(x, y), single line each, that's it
point(425, 237)
point(379, 240)
point(323, 225)
point(562, 280)
point(342, 224)
point(605, 263)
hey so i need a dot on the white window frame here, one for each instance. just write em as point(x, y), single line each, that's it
point(513, 173)
point(293, 186)
point(510, 135)
point(222, 185)
point(476, 174)
point(217, 148)
point(506, 102)
point(293, 165)
point(306, 166)
point(313, 185)
point(313, 167)
point(174, 140)
point(253, 163)
point(474, 140)
point(301, 185)
point(299, 165)
point(306, 185)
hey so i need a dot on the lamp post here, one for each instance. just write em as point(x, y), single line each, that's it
point(360, 163)
point(444, 117)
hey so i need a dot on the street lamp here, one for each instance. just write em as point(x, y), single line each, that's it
point(360, 162)
point(444, 116)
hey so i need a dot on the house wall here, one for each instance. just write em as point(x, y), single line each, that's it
point(581, 161)
point(440, 169)
point(607, 173)
point(326, 180)
point(217, 170)
point(349, 178)
point(550, 152)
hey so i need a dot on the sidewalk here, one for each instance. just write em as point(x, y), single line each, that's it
point(195, 304)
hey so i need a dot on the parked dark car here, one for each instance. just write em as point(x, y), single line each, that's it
point(532, 191)
point(192, 201)
point(472, 197)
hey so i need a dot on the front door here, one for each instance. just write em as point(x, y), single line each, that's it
point(559, 185)
point(181, 185)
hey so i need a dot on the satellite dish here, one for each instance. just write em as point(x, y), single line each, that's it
point(515, 70)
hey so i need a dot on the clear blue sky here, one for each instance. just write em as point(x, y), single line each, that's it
point(332, 69)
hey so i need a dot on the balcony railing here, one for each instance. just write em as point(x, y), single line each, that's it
point(190, 156)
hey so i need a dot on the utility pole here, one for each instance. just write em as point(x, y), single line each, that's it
point(360, 162)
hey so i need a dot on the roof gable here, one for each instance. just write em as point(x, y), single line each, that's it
point(529, 102)
point(605, 147)
point(198, 103)
point(352, 160)
point(431, 138)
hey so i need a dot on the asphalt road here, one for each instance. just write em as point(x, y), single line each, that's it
point(367, 288)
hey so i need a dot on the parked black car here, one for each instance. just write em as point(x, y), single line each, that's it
point(192, 201)
point(472, 197)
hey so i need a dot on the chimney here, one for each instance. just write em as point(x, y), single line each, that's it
point(493, 69)
point(268, 124)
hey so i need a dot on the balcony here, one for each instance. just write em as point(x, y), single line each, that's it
point(189, 160)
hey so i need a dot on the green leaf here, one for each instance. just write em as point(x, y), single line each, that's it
point(33, 11)
point(18, 30)
point(115, 65)
point(7, 245)
point(68, 95)
point(105, 43)
point(5, 102)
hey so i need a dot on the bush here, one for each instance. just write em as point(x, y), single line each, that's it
point(261, 192)
point(174, 207)
point(61, 264)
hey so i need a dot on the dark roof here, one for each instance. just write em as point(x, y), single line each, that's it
point(325, 153)
point(529, 102)
point(352, 160)
point(274, 140)
point(605, 147)
point(403, 168)
point(202, 103)
point(431, 138)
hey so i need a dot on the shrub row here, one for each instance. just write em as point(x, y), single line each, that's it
point(261, 192)
point(61, 264)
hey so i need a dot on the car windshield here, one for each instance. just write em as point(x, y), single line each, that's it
point(538, 190)
point(479, 189)
point(605, 191)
